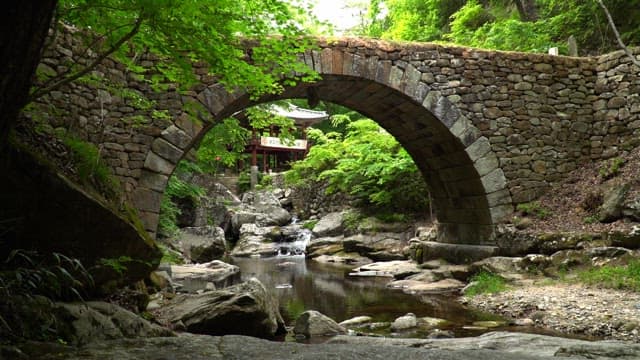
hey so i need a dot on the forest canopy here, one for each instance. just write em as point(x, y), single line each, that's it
point(516, 25)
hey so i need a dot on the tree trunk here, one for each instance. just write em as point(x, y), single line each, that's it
point(527, 10)
point(23, 28)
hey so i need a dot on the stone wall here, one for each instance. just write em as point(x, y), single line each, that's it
point(489, 129)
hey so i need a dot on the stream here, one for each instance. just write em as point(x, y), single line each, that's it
point(301, 285)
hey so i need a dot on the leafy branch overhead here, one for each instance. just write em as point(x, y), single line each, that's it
point(188, 31)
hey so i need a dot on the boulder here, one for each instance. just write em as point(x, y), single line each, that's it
point(510, 268)
point(203, 244)
point(257, 240)
point(398, 269)
point(244, 309)
point(312, 323)
point(378, 247)
point(611, 208)
point(96, 320)
point(325, 246)
point(192, 278)
point(405, 322)
point(54, 214)
point(329, 225)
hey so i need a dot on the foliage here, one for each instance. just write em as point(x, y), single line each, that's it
point(499, 24)
point(612, 276)
point(534, 208)
point(177, 187)
point(192, 30)
point(117, 264)
point(90, 167)
point(170, 256)
point(309, 225)
point(611, 168)
point(367, 163)
point(485, 283)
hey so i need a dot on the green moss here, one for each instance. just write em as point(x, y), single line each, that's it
point(309, 225)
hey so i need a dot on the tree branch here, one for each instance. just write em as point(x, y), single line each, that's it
point(617, 34)
point(42, 91)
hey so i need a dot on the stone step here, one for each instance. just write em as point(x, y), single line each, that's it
point(456, 253)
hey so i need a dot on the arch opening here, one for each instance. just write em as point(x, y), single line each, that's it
point(468, 187)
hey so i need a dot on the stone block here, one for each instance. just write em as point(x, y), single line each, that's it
point(478, 149)
point(494, 181)
point(177, 137)
point(154, 181)
point(158, 164)
point(167, 150)
point(145, 199)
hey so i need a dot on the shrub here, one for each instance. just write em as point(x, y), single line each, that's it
point(611, 168)
point(485, 283)
point(613, 276)
point(534, 209)
point(90, 167)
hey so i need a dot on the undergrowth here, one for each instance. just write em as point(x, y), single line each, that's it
point(624, 277)
point(485, 283)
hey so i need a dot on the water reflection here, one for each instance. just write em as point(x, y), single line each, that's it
point(300, 285)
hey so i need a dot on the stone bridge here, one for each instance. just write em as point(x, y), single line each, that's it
point(487, 129)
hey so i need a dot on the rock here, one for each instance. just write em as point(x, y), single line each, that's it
point(96, 320)
point(356, 321)
point(506, 267)
point(312, 323)
point(608, 252)
point(418, 287)
point(55, 215)
point(203, 244)
point(611, 208)
point(343, 258)
point(523, 322)
point(397, 269)
point(256, 240)
point(454, 253)
point(631, 208)
point(503, 345)
point(430, 322)
point(203, 347)
point(441, 334)
point(405, 322)
point(329, 225)
point(489, 324)
point(191, 278)
point(378, 247)
point(629, 240)
point(324, 246)
point(245, 309)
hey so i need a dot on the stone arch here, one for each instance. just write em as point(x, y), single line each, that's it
point(469, 189)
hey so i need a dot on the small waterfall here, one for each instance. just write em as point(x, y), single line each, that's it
point(298, 247)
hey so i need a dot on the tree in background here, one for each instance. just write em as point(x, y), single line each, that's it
point(524, 25)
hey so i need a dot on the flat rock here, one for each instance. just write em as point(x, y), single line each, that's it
point(191, 278)
point(356, 321)
point(506, 344)
point(420, 287)
point(343, 258)
point(203, 347)
point(396, 268)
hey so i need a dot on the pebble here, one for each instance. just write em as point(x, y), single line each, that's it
point(568, 308)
